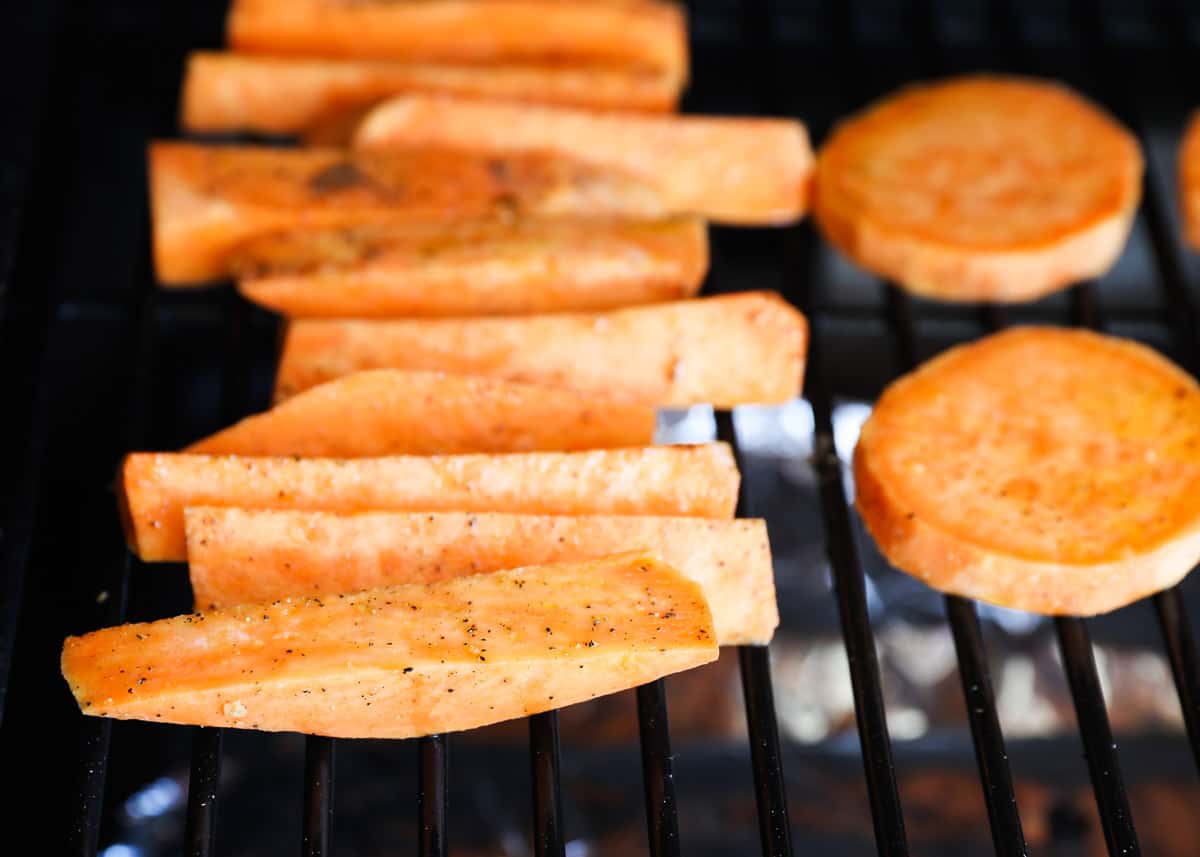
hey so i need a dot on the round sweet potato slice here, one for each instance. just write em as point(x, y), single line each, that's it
point(1050, 470)
point(980, 188)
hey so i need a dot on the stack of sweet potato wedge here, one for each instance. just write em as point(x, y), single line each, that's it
point(455, 513)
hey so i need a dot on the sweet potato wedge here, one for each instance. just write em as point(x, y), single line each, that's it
point(732, 170)
point(224, 92)
point(1048, 470)
point(406, 660)
point(644, 34)
point(496, 268)
point(394, 412)
point(981, 188)
point(1189, 181)
point(699, 481)
point(241, 556)
point(729, 350)
point(206, 200)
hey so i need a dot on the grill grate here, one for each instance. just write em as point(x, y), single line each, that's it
point(767, 68)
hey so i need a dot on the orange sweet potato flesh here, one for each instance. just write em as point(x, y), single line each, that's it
point(395, 412)
point(240, 556)
point(206, 200)
point(699, 481)
point(980, 188)
point(403, 661)
point(1189, 181)
point(490, 268)
point(224, 92)
point(732, 170)
point(725, 351)
point(1048, 470)
point(646, 35)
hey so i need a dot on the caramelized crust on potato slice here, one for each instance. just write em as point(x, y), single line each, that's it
point(700, 481)
point(730, 350)
point(477, 268)
point(1049, 470)
point(738, 170)
point(403, 661)
point(980, 188)
point(207, 200)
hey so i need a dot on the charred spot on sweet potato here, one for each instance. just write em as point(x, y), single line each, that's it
point(337, 177)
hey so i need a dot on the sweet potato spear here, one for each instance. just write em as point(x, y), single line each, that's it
point(736, 170)
point(394, 412)
point(495, 268)
point(403, 661)
point(644, 34)
point(224, 92)
point(206, 200)
point(239, 556)
point(725, 351)
point(155, 488)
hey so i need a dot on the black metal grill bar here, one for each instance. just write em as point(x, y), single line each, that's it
point(544, 771)
point(1099, 747)
point(204, 781)
point(200, 831)
point(1079, 661)
point(799, 262)
point(431, 796)
point(318, 796)
point(1185, 666)
point(754, 662)
point(658, 776)
point(987, 736)
point(96, 732)
point(1184, 318)
point(851, 594)
point(95, 744)
point(774, 826)
point(1008, 838)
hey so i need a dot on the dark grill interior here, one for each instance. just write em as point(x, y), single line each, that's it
point(104, 362)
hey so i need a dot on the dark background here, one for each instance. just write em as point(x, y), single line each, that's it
point(97, 363)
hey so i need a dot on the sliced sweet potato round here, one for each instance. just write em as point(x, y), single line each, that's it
point(1050, 470)
point(980, 188)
